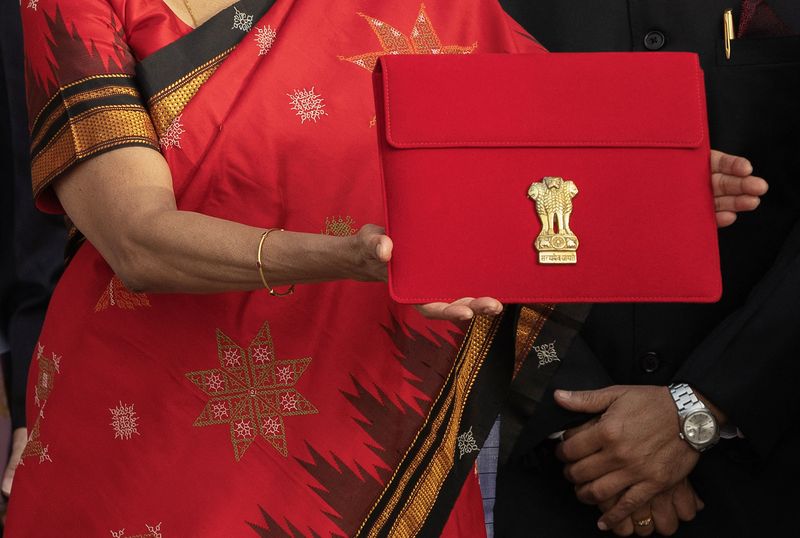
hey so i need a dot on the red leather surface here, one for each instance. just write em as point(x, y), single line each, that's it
point(463, 137)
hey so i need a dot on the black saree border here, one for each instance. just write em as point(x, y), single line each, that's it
point(419, 497)
point(498, 363)
point(543, 356)
point(170, 77)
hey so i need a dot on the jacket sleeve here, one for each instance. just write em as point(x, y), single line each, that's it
point(33, 249)
point(749, 365)
point(580, 370)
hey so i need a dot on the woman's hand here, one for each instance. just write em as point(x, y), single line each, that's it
point(462, 309)
point(373, 252)
point(735, 189)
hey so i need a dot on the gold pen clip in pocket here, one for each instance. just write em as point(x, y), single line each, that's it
point(728, 33)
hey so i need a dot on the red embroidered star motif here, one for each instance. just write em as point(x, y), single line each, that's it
point(116, 294)
point(252, 396)
point(422, 40)
point(48, 368)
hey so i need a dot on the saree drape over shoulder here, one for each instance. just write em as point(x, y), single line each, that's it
point(330, 412)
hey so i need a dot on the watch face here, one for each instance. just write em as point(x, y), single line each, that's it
point(700, 427)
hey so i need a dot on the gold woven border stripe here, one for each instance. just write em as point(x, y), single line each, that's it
point(108, 91)
point(167, 104)
point(416, 508)
point(109, 77)
point(426, 490)
point(90, 133)
point(530, 323)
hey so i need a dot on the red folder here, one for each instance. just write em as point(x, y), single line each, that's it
point(617, 142)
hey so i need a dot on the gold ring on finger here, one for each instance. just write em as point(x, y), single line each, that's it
point(646, 522)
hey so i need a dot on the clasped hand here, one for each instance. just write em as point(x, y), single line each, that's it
point(630, 456)
point(735, 190)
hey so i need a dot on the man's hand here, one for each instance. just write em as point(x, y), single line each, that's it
point(735, 189)
point(18, 442)
point(666, 511)
point(633, 450)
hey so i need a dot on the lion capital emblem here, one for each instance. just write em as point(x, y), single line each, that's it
point(556, 243)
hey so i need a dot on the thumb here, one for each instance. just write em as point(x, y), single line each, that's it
point(8, 478)
point(383, 249)
point(19, 440)
point(588, 401)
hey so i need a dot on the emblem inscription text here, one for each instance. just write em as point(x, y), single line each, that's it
point(556, 243)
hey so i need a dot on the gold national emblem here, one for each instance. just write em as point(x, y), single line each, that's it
point(556, 243)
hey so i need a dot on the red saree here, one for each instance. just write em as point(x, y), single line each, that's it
point(330, 412)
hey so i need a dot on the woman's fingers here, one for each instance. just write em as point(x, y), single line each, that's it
point(378, 244)
point(462, 309)
point(383, 249)
point(458, 310)
point(486, 306)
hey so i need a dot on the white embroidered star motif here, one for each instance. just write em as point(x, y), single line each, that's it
point(242, 21)
point(232, 358)
point(44, 455)
point(262, 355)
point(172, 136)
point(124, 421)
point(289, 402)
point(214, 382)
point(219, 410)
point(265, 38)
point(307, 104)
point(546, 353)
point(467, 444)
point(271, 426)
point(285, 374)
point(33, 4)
point(154, 530)
point(243, 429)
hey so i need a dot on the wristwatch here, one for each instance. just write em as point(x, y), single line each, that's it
point(698, 426)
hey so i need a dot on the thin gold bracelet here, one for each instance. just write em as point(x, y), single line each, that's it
point(261, 267)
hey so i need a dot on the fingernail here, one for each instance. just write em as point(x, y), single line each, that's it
point(564, 395)
point(602, 525)
point(465, 317)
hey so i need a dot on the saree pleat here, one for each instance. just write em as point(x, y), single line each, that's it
point(331, 412)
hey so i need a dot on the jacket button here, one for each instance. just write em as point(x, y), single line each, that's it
point(650, 362)
point(654, 40)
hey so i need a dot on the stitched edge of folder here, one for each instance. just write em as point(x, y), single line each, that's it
point(550, 143)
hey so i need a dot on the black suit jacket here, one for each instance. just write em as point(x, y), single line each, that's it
point(743, 353)
point(31, 244)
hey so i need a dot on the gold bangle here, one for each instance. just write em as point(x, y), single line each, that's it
point(261, 267)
